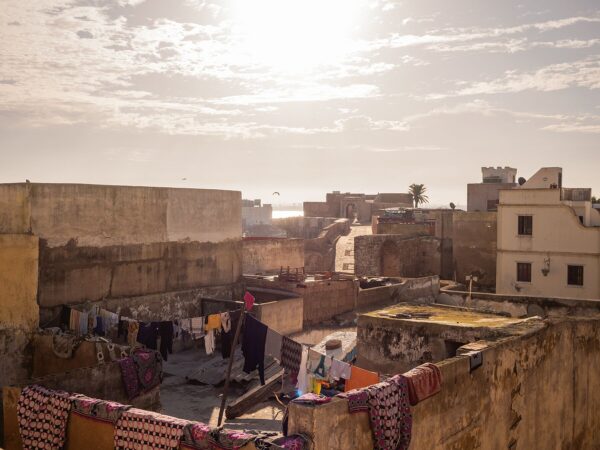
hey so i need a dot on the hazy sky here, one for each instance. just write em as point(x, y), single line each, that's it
point(302, 97)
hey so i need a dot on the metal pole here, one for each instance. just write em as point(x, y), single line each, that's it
point(231, 357)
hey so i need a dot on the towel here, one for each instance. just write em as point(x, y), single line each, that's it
point(213, 322)
point(424, 381)
point(209, 342)
point(273, 344)
point(360, 378)
point(291, 354)
point(226, 322)
point(340, 369)
point(137, 429)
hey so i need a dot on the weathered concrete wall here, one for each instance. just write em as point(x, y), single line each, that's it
point(319, 253)
point(536, 391)
point(520, 305)
point(474, 246)
point(303, 227)
point(256, 215)
point(403, 229)
point(267, 255)
point(409, 257)
point(322, 300)
point(72, 275)
point(94, 215)
point(419, 290)
point(483, 197)
point(284, 316)
point(19, 313)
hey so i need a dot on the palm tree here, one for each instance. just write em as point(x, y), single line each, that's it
point(418, 192)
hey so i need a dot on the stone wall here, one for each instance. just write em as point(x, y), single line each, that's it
point(320, 209)
point(403, 257)
point(474, 246)
point(319, 253)
point(402, 229)
point(418, 290)
point(269, 255)
point(303, 227)
point(538, 391)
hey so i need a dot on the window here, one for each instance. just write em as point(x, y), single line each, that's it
point(575, 275)
point(524, 272)
point(581, 219)
point(525, 225)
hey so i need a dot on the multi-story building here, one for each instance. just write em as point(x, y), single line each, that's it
point(548, 239)
point(484, 196)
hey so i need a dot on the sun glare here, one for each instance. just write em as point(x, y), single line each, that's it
point(295, 35)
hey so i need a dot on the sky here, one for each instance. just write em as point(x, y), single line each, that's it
point(300, 97)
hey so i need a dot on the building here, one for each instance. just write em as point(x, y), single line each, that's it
point(484, 196)
point(254, 213)
point(360, 207)
point(548, 239)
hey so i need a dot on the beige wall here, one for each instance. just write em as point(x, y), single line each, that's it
point(95, 215)
point(474, 246)
point(557, 235)
point(269, 255)
point(478, 195)
point(284, 316)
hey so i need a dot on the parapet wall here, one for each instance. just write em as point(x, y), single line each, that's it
point(417, 290)
point(269, 255)
point(536, 391)
point(319, 253)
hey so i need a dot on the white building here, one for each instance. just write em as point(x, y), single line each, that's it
point(548, 239)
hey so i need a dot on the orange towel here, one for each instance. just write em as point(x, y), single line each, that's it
point(423, 382)
point(213, 322)
point(360, 378)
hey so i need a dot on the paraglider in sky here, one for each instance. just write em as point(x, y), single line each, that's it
point(276, 193)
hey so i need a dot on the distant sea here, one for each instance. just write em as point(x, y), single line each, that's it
point(283, 213)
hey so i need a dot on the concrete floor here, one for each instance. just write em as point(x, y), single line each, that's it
point(179, 398)
point(344, 249)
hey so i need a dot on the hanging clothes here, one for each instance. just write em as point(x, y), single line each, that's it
point(423, 381)
point(273, 344)
point(226, 322)
point(42, 415)
point(165, 331)
point(148, 335)
point(249, 301)
point(340, 369)
point(148, 365)
point(390, 415)
point(213, 322)
point(317, 364)
point(133, 329)
point(197, 327)
point(227, 335)
point(93, 408)
point(209, 342)
point(83, 323)
point(291, 354)
point(360, 378)
point(303, 378)
point(253, 346)
point(65, 318)
point(137, 428)
point(130, 377)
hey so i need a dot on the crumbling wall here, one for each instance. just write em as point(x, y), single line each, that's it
point(402, 229)
point(267, 255)
point(535, 391)
point(303, 227)
point(415, 256)
point(326, 299)
point(474, 246)
point(321, 209)
point(419, 290)
point(319, 253)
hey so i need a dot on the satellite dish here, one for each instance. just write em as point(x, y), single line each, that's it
point(522, 181)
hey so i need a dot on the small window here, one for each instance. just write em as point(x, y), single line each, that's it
point(525, 225)
point(575, 275)
point(524, 272)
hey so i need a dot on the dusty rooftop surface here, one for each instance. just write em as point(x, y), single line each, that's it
point(456, 317)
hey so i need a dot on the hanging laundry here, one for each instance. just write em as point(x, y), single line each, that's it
point(130, 377)
point(303, 380)
point(83, 323)
point(165, 331)
point(65, 318)
point(63, 345)
point(93, 408)
point(209, 342)
point(148, 365)
point(291, 354)
point(42, 415)
point(360, 378)
point(358, 400)
point(99, 328)
point(340, 369)
point(317, 364)
point(213, 322)
point(226, 322)
point(423, 381)
point(137, 428)
point(227, 336)
point(273, 344)
point(133, 329)
point(253, 346)
point(249, 300)
point(148, 335)
point(390, 415)
point(197, 327)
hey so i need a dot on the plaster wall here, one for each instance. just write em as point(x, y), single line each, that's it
point(419, 290)
point(474, 246)
point(257, 215)
point(269, 255)
point(284, 316)
point(558, 238)
point(511, 401)
point(416, 256)
point(479, 195)
point(403, 229)
point(320, 209)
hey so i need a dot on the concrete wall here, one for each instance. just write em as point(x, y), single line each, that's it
point(303, 227)
point(284, 316)
point(403, 229)
point(558, 237)
point(413, 257)
point(479, 195)
point(319, 253)
point(536, 391)
point(419, 290)
point(320, 209)
point(266, 255)
point(19, 314)
point(256, 215)
point(474, 247)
